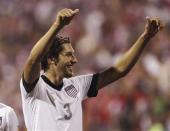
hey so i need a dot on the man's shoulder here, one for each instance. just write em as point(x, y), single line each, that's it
point(79, 77)
point(2, 105)
point(5, 108)
point(38, 82)
point(78, 80)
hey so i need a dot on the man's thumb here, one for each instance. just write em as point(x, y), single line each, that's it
point(76, 11)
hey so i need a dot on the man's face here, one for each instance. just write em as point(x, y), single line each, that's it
point(66, 60)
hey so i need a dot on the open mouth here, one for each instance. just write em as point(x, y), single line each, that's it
point(69, 66)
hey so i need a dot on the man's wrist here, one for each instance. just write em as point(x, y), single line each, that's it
point(146, 36)
point(57, 26)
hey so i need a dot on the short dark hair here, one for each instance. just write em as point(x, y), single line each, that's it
point(54, 50)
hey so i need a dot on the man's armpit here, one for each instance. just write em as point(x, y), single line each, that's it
point(29, 87)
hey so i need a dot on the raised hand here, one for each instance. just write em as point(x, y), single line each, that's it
point(153, 25)
point(64, 16)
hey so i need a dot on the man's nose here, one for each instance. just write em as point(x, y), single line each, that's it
point(74, 60)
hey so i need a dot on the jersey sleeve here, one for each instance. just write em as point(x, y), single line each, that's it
point(25, 93)
point(12, 121)
point(87, 85)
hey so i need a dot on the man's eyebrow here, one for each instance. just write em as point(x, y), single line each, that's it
point(69, 52)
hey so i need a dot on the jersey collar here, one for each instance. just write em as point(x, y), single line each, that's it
point(46, 80)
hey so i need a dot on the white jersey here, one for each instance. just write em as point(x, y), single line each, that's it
point(48, 109)
point(8, 119)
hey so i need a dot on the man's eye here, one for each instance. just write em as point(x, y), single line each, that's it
point(69, 54)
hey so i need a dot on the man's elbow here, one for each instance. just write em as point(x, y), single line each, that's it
point(32, 60)
point(124, 72)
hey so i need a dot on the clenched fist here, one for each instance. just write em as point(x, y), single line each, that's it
point(64, 16)
point(153, 25)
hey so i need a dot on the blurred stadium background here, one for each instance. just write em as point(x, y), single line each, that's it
point(102, 31)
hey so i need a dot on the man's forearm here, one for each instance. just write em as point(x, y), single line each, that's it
point(32, 67)
point(42, 46)
point(131, 56)
point(127, 61)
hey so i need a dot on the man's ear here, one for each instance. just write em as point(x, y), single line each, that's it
point(52, 61)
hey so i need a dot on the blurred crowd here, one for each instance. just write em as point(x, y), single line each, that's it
point(101, 32)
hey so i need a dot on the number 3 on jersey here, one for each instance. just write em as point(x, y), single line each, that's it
point(69, 115)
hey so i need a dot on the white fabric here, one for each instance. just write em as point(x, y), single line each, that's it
point(47, 109)
point(8, 119)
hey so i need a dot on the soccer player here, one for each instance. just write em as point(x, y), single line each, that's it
point(52, 101)
point(8, 119)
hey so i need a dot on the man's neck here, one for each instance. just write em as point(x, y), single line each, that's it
point(55, 79)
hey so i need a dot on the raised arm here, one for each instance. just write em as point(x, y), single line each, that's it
point(32, 67)
point(128, 60)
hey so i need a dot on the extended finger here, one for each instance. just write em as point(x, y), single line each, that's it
point(76, 11)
